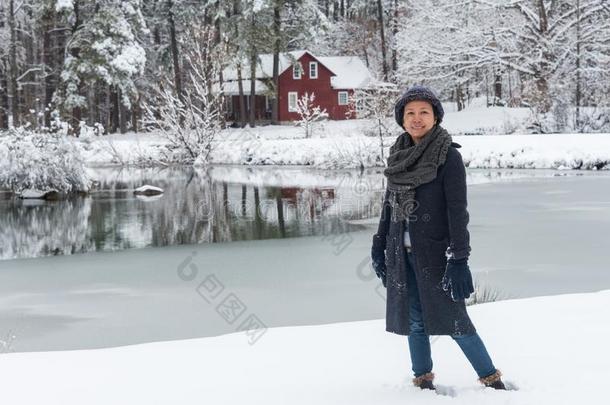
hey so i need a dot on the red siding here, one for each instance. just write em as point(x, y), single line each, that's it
point(325, 96)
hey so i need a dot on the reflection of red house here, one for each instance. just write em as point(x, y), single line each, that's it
point(331, 79)
point(291, 193)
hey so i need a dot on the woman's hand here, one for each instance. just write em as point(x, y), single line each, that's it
point(458, 279)
point(378, 257)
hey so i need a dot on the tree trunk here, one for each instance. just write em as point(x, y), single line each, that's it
point(394, 34)
point(123, 112)
point(384, 65)
point(497, 87)
point(3, 102)
point(75, 52)
point(13, 97)
point(276, 61)
point(135, 114)
point(242, 98)
point(542, 84)
point(253, 88)
point(92, 101)
point(174, 48)
point(459, 98)
point(578, 57)
point(365, 54)
point(114, 99)
point(47, 61)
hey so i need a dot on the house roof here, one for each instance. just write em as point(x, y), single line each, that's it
point(349, 72)
point(231, 88)
point(264, 66)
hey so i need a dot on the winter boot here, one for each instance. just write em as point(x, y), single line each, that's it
point(424, 381)
point(493, 381)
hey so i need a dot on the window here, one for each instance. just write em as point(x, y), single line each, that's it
point(343, 98)
point(296, 71)
point(313, 70)
point(292, 101)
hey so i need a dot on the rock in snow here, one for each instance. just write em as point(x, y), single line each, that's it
point(39, 194)
point(148, 190)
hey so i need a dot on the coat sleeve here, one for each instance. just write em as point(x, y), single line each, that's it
point(384, 220)
point(454, 184)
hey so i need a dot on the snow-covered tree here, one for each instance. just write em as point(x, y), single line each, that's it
point(43, 162)
point(191, 121)
point(310, 113)
point(105, 47)
point(483, 44)
point(377, 104)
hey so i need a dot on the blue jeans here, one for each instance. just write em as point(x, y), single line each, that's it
point(419, 341)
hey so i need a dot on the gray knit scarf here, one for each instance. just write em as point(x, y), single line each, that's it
point(410, 165)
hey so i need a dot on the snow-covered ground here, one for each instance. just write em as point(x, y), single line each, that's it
point(344, 144)
point(552, 350)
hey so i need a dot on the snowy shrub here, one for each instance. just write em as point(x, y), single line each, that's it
point(309, 113)
point(510, 125)
point(42, 162)
point(358, 154)
point(592, 119)
point(87, 133)
point(377, 104)
point(484, 293)
point(190, 121)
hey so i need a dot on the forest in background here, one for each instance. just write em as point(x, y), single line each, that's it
point(114, 64)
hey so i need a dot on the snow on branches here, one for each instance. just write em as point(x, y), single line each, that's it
point(309, 113)
point(191, 120)
point(43, 162)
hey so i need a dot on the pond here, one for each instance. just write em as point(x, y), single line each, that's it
point(220, 204)
point(217, 205)
point(301, 258)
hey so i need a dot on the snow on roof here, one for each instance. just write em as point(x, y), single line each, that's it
point(231, 87)
point(264, 66)
point(350, 72)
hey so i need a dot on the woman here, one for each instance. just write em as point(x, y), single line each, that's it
point(421, 248)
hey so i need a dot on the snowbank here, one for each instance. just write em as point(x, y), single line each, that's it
point(344, 144)
point(551, 349)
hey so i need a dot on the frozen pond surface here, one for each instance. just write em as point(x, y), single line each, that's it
point(533, 233)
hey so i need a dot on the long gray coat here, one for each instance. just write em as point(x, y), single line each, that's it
point(439, 221)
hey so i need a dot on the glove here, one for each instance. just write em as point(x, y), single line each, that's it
point(458, 279)
point(378, 257)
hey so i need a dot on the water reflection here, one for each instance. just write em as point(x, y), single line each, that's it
point(220, 204)
point(197, 207)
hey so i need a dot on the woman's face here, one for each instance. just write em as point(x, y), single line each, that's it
point(418, 119)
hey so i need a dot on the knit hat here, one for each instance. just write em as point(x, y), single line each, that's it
point(418, 93)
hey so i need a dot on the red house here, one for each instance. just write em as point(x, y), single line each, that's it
point(331, 79)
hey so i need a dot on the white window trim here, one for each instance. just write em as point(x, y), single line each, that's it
point(311, 64)
point(296, 97)
point(297, 71)
point(346, 98)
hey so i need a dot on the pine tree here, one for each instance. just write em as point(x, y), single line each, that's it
point(105, 47)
